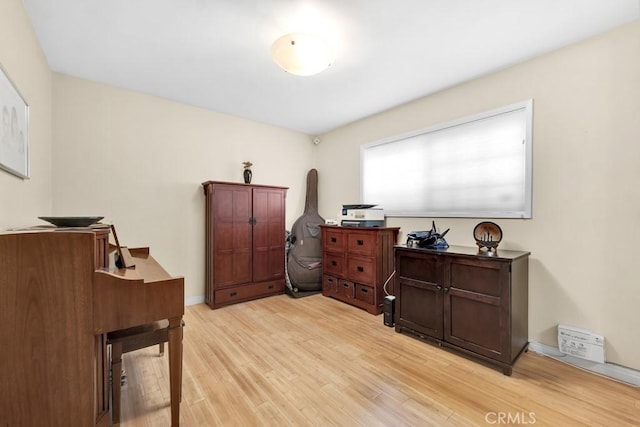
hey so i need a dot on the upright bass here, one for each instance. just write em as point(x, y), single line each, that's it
point(304, 255)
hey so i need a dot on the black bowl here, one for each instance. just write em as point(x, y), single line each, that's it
point(71, 221)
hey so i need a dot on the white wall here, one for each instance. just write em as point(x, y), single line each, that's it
point(139, 161)
point(585, 232)
point(22, 201)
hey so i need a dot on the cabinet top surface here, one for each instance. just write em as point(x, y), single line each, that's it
point(358, 228)
point(209, 183)
point(469, 251)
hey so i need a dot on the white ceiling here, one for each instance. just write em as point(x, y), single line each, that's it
point(215, 53)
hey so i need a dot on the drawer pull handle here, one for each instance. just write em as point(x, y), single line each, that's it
point(333, 240)
point(334, 263)
point(360, 269)
point(233, 294)
point(364, 290)
point(360, 242)
point(346, 285)
point(270, 286)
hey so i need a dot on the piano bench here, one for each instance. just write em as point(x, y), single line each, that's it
point(125, 340)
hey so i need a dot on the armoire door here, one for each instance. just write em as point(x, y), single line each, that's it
point(268, 235)
point(233, 237)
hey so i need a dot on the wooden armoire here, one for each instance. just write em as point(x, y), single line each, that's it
point(245, 242)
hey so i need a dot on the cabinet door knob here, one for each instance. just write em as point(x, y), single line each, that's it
point(446, 290)
point(360, 269)
point(334, 263)
point(333, 240)
point(438, 287)
point(360, 242)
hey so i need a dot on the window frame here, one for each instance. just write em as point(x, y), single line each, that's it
point(526, 213)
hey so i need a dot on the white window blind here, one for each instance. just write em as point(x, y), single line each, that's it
point(476, 167)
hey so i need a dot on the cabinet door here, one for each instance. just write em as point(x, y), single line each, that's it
point(268, 234)
point(476, 306)
point(419, 293)
point(232, 242)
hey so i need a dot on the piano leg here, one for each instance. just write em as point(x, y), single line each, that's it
point(116, 377)
point(175, 368)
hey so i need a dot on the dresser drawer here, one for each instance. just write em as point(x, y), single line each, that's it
point(361, 243)
point(335, 240)
point(252, 290)
point(329, 284)
point(365, 293)
point(347, 289)
point(333, 264)
point(361, 269)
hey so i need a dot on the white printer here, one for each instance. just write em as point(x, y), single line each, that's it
point(361, 216)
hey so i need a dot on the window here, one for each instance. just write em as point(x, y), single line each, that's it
point(476, 167)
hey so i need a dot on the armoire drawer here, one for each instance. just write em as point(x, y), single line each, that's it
point(248, 291)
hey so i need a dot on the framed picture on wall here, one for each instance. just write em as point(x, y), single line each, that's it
point(14, 133)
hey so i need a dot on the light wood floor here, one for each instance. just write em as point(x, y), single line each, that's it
point(315, 361)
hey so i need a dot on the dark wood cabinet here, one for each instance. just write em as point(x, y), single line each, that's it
point(465, 300)
point(356, 262)
point(245, 242)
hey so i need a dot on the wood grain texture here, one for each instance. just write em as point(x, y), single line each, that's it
point(315, 361)
point(47, 356)
point(244, 242)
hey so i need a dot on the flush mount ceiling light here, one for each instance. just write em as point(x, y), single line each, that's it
point(302, 54)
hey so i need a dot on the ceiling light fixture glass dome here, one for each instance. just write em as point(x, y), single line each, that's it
point(302, 54)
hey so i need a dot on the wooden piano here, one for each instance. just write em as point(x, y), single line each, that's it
point(58, 300)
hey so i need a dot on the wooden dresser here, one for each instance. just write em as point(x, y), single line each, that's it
point(468, 301)
point(356, 262)
point(244, 240)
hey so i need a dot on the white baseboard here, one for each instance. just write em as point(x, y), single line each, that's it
point(611, 370)
point(194, 300)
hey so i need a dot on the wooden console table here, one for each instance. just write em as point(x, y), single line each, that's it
point(464, 300)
